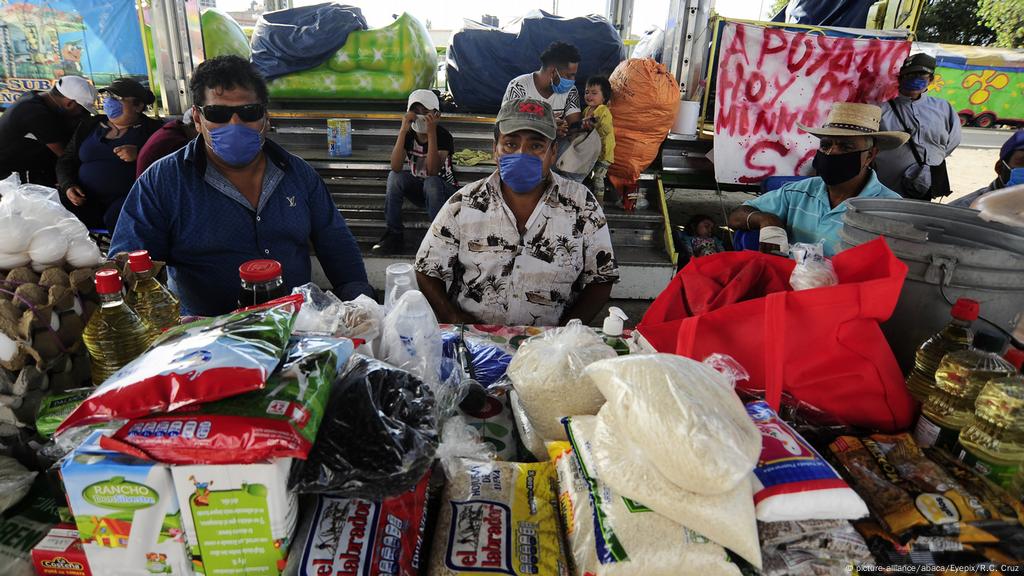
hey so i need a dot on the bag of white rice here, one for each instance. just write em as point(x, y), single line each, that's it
point(499, 518)
point(680, 412)
point(793, 481)
point(546, 373)
point(613, 536)
point(726, 519)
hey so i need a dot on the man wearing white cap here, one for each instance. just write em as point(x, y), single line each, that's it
point(811, 210)
point(426, 148)
point(34, 131)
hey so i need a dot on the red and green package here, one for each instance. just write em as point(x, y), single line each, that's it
point(279, 421)
point(194, 363)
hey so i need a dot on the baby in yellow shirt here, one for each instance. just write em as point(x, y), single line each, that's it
point(598, 116)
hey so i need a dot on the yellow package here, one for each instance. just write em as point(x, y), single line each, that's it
point(500, 518)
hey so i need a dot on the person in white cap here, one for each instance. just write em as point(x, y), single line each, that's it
point(811, 210)
point(35, 130)
point(425, 148)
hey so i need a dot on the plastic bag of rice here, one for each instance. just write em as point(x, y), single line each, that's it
point(613, 536)
point(547, 374)
point(499, 518)
point(679, 412)
point(726, 519)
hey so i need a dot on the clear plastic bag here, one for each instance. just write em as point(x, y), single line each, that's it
point(411, 338)
point(813, 269)
point(460, 440)
point(547, 374)
point(378, 436)
point(15, 482)
point(678, 411)
point(324, 313)
point(35, 228)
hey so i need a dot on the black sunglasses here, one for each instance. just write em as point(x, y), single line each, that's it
point(223, 114)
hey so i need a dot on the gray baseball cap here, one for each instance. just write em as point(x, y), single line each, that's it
point(527, 114)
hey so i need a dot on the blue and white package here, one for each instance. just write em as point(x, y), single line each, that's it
point(793, 481)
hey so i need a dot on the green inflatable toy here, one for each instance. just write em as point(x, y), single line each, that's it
point(222, 36)
point(382, 64)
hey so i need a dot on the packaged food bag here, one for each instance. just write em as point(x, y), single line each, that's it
point(726, 518)
point(55, 408)
point(356, 536)
point(279, 421)
point(678, 411)
point(499, 518)
point(910, 494)
point(793, 481)
point(812, 548)
point(126, 512)
point(614, 536)
point(194, 363)
point(547, 373)
point(378, 438)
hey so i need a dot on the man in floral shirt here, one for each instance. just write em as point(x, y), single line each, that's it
point(523, 246)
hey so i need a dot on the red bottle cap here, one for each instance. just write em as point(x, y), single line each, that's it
point(139, 261)
point(255, 271)
point(965, 309)
point(108, 281)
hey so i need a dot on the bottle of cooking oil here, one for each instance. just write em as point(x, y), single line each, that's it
point(115, 335)
point(957, 335)
point(157, 307)
point(959, 379)
point(994, 441)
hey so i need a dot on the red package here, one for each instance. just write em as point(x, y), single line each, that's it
point(60, 553)
point(356, 536)
point(194, 363)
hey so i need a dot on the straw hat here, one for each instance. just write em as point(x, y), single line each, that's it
point(849, 119)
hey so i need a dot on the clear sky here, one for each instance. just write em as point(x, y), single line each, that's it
point(448, 14)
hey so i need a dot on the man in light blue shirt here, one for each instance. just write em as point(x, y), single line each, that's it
point(811, 210)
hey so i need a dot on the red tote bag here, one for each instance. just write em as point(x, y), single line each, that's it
point(822, 347)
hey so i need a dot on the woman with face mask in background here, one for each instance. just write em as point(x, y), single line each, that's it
point(917, 170)
point(811, 210)
point(98, 166)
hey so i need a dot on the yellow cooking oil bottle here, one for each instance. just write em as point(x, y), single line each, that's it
point(958, 380)
point(158, 308)
point(994, 441)
point(114, 335)
point(957, 335)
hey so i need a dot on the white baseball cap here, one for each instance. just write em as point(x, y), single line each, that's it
point(425, 97)
point(78, 89)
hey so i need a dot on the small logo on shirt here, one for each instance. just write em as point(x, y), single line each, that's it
point(291, 201)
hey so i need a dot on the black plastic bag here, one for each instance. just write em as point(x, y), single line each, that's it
point(377, 439)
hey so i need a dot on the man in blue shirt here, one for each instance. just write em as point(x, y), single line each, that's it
point(231, 196)
point(811, 210)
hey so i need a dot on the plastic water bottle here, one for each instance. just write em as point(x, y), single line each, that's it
point(412, 339)
point(115, 335)
point(158, 308)
point(399, 279)
point(957, 335)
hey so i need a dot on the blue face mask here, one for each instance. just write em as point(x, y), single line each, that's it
point(914, 84)
point(1016, 177)
point(236, 144)
point(113, 107)
point(521, 172)
point(562, 86)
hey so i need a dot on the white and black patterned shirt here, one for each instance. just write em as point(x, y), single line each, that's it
point(504, 278)
point(562, 105)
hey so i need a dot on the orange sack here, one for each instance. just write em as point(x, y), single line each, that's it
point(645, 101)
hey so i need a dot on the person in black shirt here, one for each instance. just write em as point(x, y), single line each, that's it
point(426, 148)
point(97, 169)
point(35, 130)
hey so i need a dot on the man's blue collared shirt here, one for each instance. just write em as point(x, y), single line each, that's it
point(805, 208)
point(188, 214)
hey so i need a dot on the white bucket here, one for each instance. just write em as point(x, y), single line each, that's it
point(686, 119)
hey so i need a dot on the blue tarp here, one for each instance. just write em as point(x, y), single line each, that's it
point(838, 13)
point(298, 39)
point(482, 61)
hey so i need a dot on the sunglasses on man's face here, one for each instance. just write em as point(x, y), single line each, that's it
point(223, 114)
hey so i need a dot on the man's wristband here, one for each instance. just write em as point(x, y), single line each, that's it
point(749, 214)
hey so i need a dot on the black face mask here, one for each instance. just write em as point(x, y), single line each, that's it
point(837, 168)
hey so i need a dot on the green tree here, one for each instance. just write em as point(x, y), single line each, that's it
point(1006, 18)
point(954, 22)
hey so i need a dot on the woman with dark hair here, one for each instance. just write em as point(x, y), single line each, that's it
point(98, 166)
